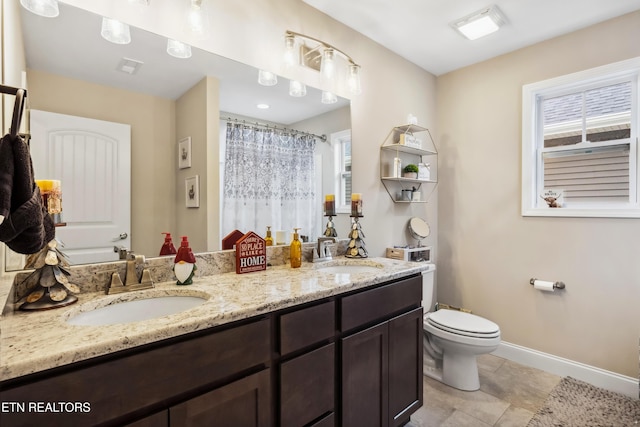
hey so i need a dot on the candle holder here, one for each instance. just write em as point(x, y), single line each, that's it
point(330, 231)
point(50, 284)
point(356, 247)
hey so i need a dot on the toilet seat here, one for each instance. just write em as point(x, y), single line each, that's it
point(463, 324)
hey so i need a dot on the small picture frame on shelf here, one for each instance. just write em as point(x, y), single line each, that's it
point(184, 153)
point(192, 192)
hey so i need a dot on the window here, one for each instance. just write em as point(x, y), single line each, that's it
point(580, 144)
point(341, 142)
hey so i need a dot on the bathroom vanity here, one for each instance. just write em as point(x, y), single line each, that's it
point(281, 347)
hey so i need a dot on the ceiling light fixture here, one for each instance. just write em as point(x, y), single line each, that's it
point(115, 31)
point(263, 106)
point(267, 78)
point(480, 23)
point(297, 89)
point(178, 49)
point(321, 56)
point(197, 19)
point(46, 8)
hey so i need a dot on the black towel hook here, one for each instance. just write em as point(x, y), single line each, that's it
point(18, 107)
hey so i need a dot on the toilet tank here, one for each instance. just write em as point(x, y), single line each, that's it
point(429, 294)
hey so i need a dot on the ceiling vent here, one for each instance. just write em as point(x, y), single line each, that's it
point(129, 66)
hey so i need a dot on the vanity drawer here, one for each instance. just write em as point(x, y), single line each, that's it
point(134, 382)
point(307, 326)
point(379, 303)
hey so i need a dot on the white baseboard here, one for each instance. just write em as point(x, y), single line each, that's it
point(565, 367)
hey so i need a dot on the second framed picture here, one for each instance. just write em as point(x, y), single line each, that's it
point(192, 191)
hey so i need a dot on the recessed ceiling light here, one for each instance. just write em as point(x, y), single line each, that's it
point(263, 106)
point(480, 23)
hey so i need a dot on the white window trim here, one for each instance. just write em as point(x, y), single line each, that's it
point(530, 161)
point(337, 140)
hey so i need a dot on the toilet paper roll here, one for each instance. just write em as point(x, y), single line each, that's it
point(544, 286)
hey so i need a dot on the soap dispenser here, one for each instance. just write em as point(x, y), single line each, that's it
point(167, 248)
point(185, 263)
point(295, 250)
point(269, 239)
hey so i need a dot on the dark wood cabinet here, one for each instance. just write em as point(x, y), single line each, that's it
point(381, 374)
point(245, 402)
point(350, 360)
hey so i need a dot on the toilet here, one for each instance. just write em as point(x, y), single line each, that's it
point(453, 339)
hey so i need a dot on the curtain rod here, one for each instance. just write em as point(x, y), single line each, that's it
point(322, 138)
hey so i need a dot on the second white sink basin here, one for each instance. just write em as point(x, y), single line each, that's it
point(136, 310)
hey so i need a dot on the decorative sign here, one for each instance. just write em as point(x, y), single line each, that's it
point(553, 197)
point(251, 253)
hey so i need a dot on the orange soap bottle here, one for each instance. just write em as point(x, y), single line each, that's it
point(167, 247)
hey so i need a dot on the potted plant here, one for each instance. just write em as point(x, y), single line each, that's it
point(410, 171)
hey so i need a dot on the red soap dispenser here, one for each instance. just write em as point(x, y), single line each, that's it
point(167, 248)
point(185, 263)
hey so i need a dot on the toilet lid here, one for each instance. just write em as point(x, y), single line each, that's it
point(461, 323)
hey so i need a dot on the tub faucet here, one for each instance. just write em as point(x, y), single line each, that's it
point(323, 252)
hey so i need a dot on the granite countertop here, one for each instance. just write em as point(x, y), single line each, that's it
point(35, 341)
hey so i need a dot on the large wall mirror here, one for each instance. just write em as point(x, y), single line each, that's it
point(67, 59)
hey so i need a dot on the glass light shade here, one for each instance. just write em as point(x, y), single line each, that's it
point(197, 19)
point(115, 31)
point(328, 66)
point(178, 49)
point(353, 80)
point(267, 78)
point(329, 97)
point(289, 51)
point(297, 88)
point(46, 8)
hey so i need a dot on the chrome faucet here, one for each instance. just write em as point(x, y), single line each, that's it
point(131, 276)
point(323, 252)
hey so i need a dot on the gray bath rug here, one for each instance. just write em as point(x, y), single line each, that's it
point(573, 403)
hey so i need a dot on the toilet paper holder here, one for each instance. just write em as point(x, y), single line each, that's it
point(556, 285)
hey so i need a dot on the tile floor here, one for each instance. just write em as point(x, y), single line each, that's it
point(509, 395)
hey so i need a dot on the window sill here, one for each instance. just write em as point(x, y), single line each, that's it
point(582, 213)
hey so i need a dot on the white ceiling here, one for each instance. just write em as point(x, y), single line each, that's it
point(90, 58)
point(418, 30)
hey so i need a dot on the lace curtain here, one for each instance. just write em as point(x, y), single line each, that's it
point(269, 180)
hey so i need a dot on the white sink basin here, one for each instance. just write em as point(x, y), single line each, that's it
point(136, 310)
point(350, 268)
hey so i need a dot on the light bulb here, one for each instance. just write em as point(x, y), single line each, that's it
point(329, 97)
point(46, 8)
point(115, 31)
point(197, 19)
point(267, 78)
point(327, 67)
point(353, 80)
point(297, 88)
point(289, 50)
point(178, 49)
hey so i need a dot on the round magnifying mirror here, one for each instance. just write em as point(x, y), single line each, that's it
point(419, 229)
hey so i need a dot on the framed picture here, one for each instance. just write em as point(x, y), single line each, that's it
point(184, 153)
point(192, 192)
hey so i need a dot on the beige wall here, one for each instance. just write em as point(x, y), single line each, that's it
point(153, 149)
point(197, 113)
point(488, 251)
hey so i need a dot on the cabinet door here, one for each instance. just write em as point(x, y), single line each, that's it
point(159, 419)
point(245, 402)
point(365, 378)
point(405, 366)
point(307, 387)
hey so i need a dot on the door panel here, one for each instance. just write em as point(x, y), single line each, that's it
point(92, 159)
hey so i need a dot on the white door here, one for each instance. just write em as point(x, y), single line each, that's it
point(92, 159)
